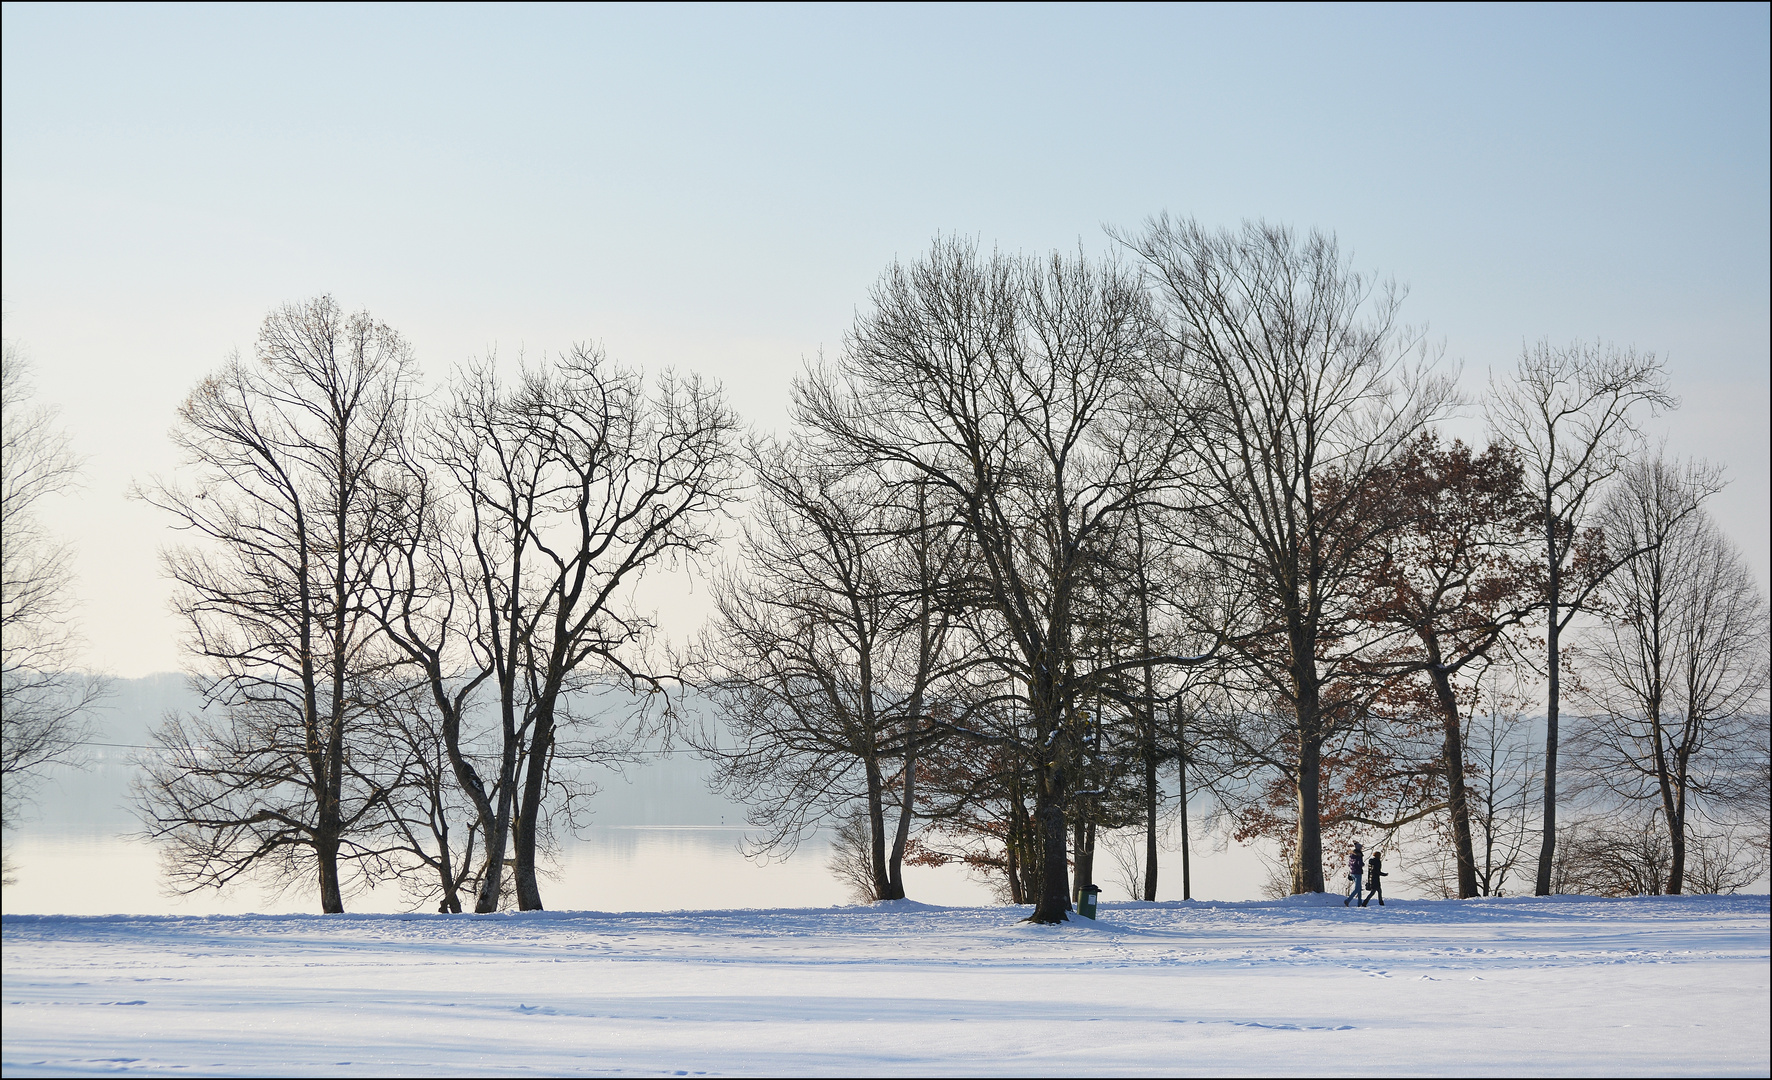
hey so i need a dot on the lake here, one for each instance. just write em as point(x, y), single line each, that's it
point(659, 840)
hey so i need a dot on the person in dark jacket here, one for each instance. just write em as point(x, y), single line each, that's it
point(1374, 879)
point(1356, 866)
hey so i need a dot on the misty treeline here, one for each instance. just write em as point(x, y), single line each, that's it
point(1051, 547)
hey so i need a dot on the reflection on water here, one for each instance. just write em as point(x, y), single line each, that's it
point(660, 840)
point(619, 868)
point(663, 842)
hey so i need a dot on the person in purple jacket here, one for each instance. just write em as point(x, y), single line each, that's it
point(1356, 865)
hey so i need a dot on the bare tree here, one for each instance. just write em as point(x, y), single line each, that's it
point(429, 603)
point(44, 705)
point(1500, 776)
point(1569, 413)
point(572, 484)
point(1129, 874)
point(1006, 385)
point(1612, 855)
point(430, 816)
point(852, 859)
point(282, 453)
point(1502, 770)
point(1682, 660)
point(1726, 860)
point(1307, 386)
point(821, 654)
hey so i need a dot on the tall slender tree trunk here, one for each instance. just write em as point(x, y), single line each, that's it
point(1489, 837)
point(1012, 853)
point(1150, 722)
point(1150, 826)
point(1547, 848)
point(1676, 871)
point(1187, 882)
point(1086, 863)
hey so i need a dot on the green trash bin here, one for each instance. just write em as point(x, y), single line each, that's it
point(1087, 897)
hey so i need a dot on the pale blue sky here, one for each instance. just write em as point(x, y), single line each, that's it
point(716, 188)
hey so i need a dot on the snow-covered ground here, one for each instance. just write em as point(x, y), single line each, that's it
point(1520, 986)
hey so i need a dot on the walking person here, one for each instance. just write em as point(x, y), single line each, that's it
point(1375, 876)
point(1356, 866)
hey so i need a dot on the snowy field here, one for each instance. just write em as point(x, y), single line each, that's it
point(1561, 986)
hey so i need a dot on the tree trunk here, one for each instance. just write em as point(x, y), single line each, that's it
point(907, 799)
point(1082, 856)
point(534, 781)
point(1022, 855)
point(1150, 721)
point(1676, 826)
point(498, 831)
point(1307, 871)
point(877, 831)
point(331, 811)
point(1012, 855)
point(332, 900)
point(1307, 875)
point(498, 837)
point(1676, 870)
point(1048, 706)
point(1150, 823)
point(1076, 877)
point(1033, 867)
point(1086, 858)
point(451, 902)
point(1547, 848)
point(1187, 884)
point(1457, 799)
point(1053, 904)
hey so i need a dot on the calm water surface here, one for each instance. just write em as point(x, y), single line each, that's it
point(75, 857)
point(659, 841)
